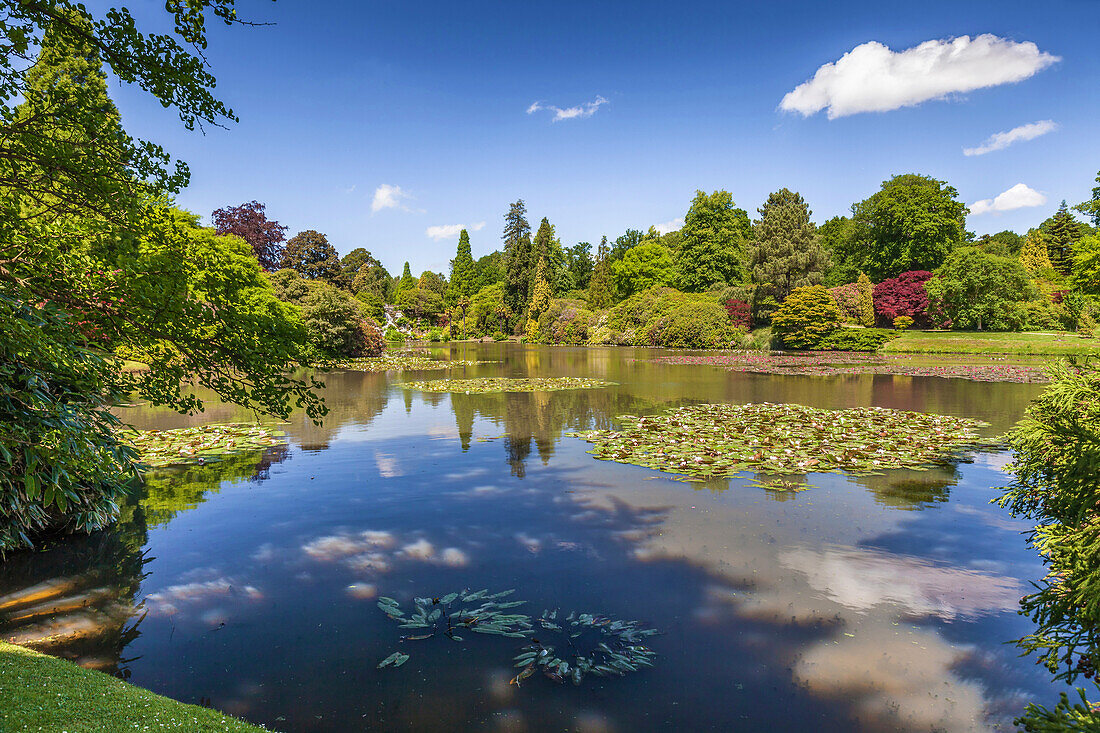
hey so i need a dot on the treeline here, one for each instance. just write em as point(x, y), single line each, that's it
point(903, 257)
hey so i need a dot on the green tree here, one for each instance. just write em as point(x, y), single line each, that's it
point(311, 256)
point(352, 264)
point(519, 262)
point(1086, 265)
point(835, 236)
point(405, 282)
point(642, 267)
point(624, 243)
point(463, 271)
point(979, 290)
point(578, 261)
point(1062, 232)
point(1091, 208)
point(1034, 255)
point(785, 252)
point(913, 223)
point(489, 269)
point(488, 310)
point(866, 300)
point(540, 301)
point(806, 317)
point(433, 281)
point(420, 302)
point(714, 237)
point(1004, 243)
point(600, 285)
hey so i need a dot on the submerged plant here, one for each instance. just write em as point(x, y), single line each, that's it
point(585, 643)
point(709, 441)
point(203, 444)
point(503, 384)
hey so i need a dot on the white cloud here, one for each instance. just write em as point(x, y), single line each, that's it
point(389, 197)
point(670, 226)
point(451, 231)
point(1002, 140)
point(873, 78)
point(569, 113)
point(1017, 197)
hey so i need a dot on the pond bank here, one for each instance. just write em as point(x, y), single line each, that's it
point(984, 342)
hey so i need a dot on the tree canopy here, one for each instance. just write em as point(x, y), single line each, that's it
point(715, 233)
point(785, 252)
point(249, 222)
point(311, 256)
point(978, 290)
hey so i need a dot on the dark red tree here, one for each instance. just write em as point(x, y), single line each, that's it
point(903, 295)
point(249, 222)
point(740, 313)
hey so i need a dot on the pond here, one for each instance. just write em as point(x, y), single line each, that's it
point(870, 603)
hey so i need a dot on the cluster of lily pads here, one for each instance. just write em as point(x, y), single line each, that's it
point(586, 644)
point(832, 363)
point(711, 441)
point(401, 361)
point(487, 385)
point(203, 444)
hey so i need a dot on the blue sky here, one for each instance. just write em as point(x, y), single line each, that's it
point(339, 98)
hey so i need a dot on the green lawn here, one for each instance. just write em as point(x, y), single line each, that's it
point(41, 693)
point(970, 342)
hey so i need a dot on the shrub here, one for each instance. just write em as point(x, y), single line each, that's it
point(394, 336)
point(847, 299)
point(435, 334)
point(499, 336)
point(866, 300)
point(662, 316)
point(978, 290)
point(902, 322)
point(740, 314)
point(856, 339)
point(566, 322)
point(692, 325)
point(806, 317)
point(903, 295)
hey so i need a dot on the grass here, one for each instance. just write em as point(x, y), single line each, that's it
point(984, 342)
point(41, 693)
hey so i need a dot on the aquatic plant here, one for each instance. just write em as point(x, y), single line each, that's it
point(586, 644)
point(203, 444)
point(708, 441)
point(401, 361)
point(486, 385)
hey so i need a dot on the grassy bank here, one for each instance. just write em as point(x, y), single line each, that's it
point(966, 342)
point(41, 693)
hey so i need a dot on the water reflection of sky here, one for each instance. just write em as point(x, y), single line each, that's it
point(875, 604)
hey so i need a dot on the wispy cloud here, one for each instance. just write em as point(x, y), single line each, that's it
point(670, 226)
point(388, 196)
point(451, 231)
point(569, 113)
point(873, 78)
point(1001, 140)
point(1017, 197)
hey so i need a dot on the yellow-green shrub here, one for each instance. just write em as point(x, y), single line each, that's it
point(806, 317)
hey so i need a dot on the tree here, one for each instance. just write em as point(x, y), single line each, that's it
point(353, 263)
point(250, 223)
point(488, 310)
point(806, 317)
point(835, 236)
point(628, 240)
point(785, 252)
point(405, 282)
point(714, 236)
point(641, 268)
point(578, 262)
point(489, 269)
point(463, 271)
point(866, 300)
point(979, 290)
point(600, 286)
point(1091, 208)
point(1062, 232)
point(1004, 243)
point(913, 223)
point(903, 296)
point(311, 256)
point(1086, 265)
point(420, 302)
point(433, 281)
point(540, 301)
point(1034, 255)
point(333, 318)
point(518, 261)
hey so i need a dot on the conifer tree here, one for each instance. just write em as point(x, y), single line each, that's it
point(518, 262)
point(1063, 231)
point(600, 285)
point(1034, 255)
point(463, 276)
point(866, 300)
point(540, 301)
point(786, 253)
point(407, 282)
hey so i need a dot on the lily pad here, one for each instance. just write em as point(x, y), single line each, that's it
point(401, 361)
point(487, 385)
point(713, 441)
point(203, 444)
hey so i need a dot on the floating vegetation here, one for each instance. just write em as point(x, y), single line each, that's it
point(709, 441)
point(833, 363)
point(587, 644)
point(203, 444)
point(487, 385)
point(401, 361)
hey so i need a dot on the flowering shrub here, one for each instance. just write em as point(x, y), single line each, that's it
point(565, 322)
point(847, 299)
point(740, 313)
point(903, 295)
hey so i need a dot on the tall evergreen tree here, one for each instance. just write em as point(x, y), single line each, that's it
point(1063, 231)
point(518, 261)
point(600, 286)
point(540, 300)
point(713, 248)
point(463, 274)
point(578, 260)
point(785, 253)
point(407, 282)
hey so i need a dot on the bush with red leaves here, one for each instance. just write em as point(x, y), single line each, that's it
point(903, 295)
point(740, 313)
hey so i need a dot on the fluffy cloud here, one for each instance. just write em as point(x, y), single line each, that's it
point(389, 197)
point(873, 78)
point(1002, 140)
point(451, 231)
point(569, 113)
point(1017, 197)
point(670, 226)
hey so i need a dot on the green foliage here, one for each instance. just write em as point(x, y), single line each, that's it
point(902, 322)
point(856, 339)
point(600, 285)
point(806, 317)
point(715, 233)
point(463, 271)
point(666, 317)
point(1056, 484)
point(578, 262)
point(1062, 232)
point(1091, 208)
point(311, 256)
point(420, 302)
point(978, 290)
point(642, 267)
point(566, 322)
point(333, 318)
point(540, 301)
point(1034, 255)
point(405, 282)
point(488, 312)
point(912, 223)
point(835, 236)
point(785, 252)
point(866, 300)
point(1086, 264)
point(519, 263)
